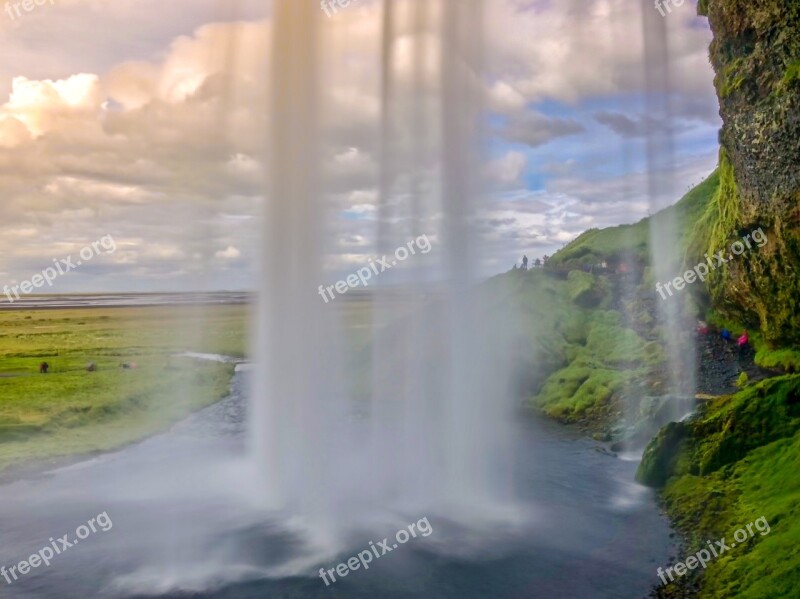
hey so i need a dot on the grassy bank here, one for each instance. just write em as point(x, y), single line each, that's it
point(593, 336)
point(72, 411)
point(580, 355)
point(736, 462)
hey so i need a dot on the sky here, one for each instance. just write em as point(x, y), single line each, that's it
point(145, 121)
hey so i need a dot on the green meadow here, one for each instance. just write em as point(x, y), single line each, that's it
point(72, 411)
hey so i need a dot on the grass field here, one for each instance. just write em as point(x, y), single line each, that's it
point(71, 411)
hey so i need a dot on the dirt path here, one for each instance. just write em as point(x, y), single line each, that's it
point(719, 365)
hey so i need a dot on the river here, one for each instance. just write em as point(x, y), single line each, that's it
point(185, 524)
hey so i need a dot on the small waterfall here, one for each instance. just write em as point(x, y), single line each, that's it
point(665, 232)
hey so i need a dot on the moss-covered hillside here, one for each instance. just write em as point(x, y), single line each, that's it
point(603, 351)
point(631, 242)
point(592, 341)
point(737, 461)
point(581, 355)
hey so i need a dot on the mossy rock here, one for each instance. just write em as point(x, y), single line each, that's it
point(661, 456)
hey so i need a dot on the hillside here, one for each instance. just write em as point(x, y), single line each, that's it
point(736, 460)
point(616, 244)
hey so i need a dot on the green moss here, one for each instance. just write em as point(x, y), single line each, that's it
point(585, 289)
point(570, 394)
point(764, 483)
point(787, 359)
point(613, 344)
point(725, 430)
point(742, 380)
point(792, 75)
point(718, 221)
point(753, 417)
point(732, 78)
point(610, 358)
point(660, 458)
point(576, 359)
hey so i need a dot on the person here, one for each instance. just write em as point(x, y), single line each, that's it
point(702, 327)
point(524, 263)
point(91, 367)
point(742, 342)
point(725, 334)
point(44, 367)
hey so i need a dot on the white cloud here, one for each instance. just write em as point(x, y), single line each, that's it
point(229, 253)
point(509, 168)
point(155, 131)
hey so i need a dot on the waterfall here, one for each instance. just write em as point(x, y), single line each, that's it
point(436, 431)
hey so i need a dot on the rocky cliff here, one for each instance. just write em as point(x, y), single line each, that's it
point(756, 57)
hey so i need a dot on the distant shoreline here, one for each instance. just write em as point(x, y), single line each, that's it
point(126, 300)
point(189, 298)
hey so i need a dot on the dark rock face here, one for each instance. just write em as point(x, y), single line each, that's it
point(755, 53)
point(756, 56)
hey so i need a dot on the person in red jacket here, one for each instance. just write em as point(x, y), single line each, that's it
point(742, 343)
